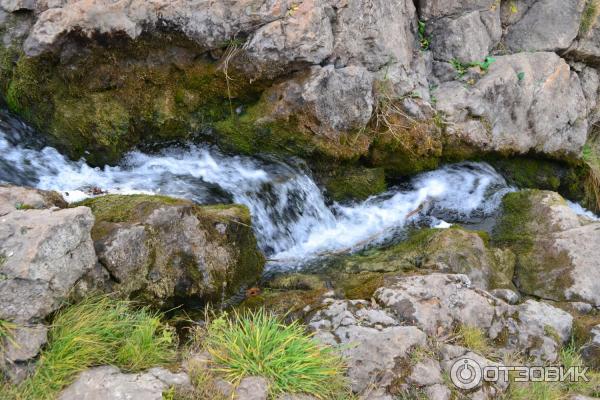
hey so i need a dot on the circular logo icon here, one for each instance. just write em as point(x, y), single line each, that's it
point(466, 373)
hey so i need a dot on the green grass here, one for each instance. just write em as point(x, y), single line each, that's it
point(461, 67)
point(97, 331)
point(259, 344)
point(474, 338)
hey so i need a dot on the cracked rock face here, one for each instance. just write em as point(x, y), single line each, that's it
point(43, 253)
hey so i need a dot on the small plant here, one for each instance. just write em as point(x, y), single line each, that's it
point(97, 331)
point(259, 344)
point(423, 39)
point(461, 68)
point(520, 76)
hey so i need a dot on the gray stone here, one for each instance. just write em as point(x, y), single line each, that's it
point(591, 351)
point(546, 25)
point(467, 38)
point(509, 296)
point(175, 248)
point(524, 102)
point(252, 388)
point(45, 253)
point(426, 373)
point(562, 263)
point(372, 342)
point(108, 382)
point(437, 303)
point(336, 99)
point(438, 392)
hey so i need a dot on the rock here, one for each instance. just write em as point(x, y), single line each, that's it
point(591, 351)
point(226, 20)
point(587, 46)
point(25, 343)
point(374, 34)
point(509, 296)
point(304, 36)
point(438, 392)
point(329, 99)
point(542, 25)
point(437, 303)
point(160, 248)
point(372, 341)
point(43, 254)
point(252, 388)
point(468, 35)
point(21, 198)
point(556, 249)
point(524, 102)
point(108, 382)
point(454, 250)
point(426, 373)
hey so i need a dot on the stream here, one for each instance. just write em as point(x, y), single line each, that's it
point(292, 219)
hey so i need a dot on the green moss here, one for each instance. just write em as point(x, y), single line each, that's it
point(296, 281)
point(510, 230)
point(355, 183)
point(531, 173)
point(126, 208)
point(361, 286)
point(285, 303)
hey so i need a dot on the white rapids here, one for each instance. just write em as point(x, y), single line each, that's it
point(291, 218)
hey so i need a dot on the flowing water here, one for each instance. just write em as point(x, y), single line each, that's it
point(291, 218)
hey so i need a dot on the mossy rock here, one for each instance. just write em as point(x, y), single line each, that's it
point(162, 250)
point(454, 250)
point(288, 303)
point(525, 227)
point(115, 96)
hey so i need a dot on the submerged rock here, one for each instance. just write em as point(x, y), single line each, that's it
point(158, 248)
point(557, 250)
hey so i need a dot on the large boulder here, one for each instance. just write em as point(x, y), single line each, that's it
point(541, 25)
point(524, 102)
point(160, 248)
point(373, 342)
point(557, 250)
point(462, 31)
point(44, 252)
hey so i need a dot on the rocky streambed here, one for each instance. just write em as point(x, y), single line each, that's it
point(407, 180)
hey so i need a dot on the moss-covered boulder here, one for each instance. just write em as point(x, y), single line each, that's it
point(354, 183)
point(557, 250)
point(161, 249)
point(453, 250)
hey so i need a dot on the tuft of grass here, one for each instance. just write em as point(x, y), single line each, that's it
point(6, 328)
point(98, 331)
point(473, 338)
point(461, 67)
point(589, 16)
point(259, 344)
